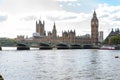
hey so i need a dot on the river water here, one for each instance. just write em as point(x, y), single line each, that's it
point(81, 64)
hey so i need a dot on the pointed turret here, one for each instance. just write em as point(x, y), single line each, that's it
point(36, 22)
point(37, 27)
point(117, 29)
point(94, 14)
point(43, 23)
point(94, 17)
point(112, 30)
point(74, 32)
point(40, 22)
point(54, 31)
point(40, 28)
point(54, 27)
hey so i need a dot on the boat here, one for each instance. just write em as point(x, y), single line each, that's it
point(87, 46)
point(44, 46)
point(21, 46)
point(62, 46)
point(117, 47)
point(75, 46)
point(108, 48)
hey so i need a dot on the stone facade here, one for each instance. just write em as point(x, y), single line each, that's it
point(101, 36)
point(20, 38)
point(40, 28)
point(115, 32)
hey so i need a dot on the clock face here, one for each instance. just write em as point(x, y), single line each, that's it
point(96, 22)
point(92, 22)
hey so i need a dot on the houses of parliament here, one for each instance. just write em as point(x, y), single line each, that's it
point(67, 36)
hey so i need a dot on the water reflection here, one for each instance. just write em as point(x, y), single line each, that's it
point(60, 65)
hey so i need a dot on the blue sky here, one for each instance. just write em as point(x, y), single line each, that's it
point(86, 5)
point(18, 17)
point(1, 1)
point(78, 5)
point(110, 2)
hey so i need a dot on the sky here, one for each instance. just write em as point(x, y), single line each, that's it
point(18, 17)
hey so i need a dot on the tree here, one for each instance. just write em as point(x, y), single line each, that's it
point(114, 40)
point(106, 41)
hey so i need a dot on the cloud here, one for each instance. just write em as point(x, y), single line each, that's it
point(104, 16)
point(61, 18)
point(117, 19)
point(3, 18)
point(108, 12)
point(28, 6)
point(70, 17)
point(69, 14)
point(29, 18)
point(66, 0)
point(70, 4)
point(108, 17)
point(78, 5)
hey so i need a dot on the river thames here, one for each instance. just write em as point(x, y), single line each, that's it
point(81, 64)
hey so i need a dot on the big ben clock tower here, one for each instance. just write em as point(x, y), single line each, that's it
point(94, 29)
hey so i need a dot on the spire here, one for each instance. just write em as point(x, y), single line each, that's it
point(112, 29)
point(43, 23)
point(36, 22)
point(54, 31)
point(54, 27)
point(94, 14)
point(74, 30)
point(117, 29)
point(39, 21)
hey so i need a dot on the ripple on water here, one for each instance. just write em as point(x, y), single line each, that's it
point(60, 65)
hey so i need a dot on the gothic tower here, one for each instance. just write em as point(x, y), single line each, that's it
point(94, 29)
point(37, 30)
point(54, 31)
point(40, 28)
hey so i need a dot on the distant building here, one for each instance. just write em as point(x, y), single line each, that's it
point(40, 28)
point(67, 36)
point(101, 36)
point(20, 38)
point(53, 34)
point(115, 32)
point(54, 31)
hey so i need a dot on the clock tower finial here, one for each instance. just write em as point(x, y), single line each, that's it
point(94, 12)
